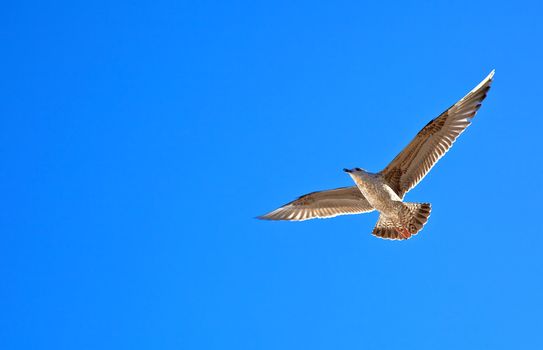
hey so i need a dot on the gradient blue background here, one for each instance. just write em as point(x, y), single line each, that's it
point(139, 140)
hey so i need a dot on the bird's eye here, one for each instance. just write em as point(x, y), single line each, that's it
point(358, 169)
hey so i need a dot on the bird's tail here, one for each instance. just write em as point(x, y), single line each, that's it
point(413, 216)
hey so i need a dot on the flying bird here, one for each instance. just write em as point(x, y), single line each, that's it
point(384, 191)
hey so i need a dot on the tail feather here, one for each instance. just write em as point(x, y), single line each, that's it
point(413, 217)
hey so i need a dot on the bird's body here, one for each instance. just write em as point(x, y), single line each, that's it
point(394, 213)
point(378, 194)
point(384, 191)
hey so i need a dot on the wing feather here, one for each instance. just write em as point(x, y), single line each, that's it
point(322, 204)
point(433, 141)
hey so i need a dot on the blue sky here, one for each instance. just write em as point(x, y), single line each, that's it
point(140, 139)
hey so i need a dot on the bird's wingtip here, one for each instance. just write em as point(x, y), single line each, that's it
point(491, 75)
point(486, 81)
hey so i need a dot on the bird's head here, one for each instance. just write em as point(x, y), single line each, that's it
point(356, 172)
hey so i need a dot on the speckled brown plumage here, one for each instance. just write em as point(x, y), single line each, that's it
point(384, 191)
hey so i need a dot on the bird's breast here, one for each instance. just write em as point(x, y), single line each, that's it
point(378, 194)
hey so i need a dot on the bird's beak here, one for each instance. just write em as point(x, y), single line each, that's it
point(347, 170)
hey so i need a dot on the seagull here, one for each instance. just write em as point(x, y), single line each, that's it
point(384, 191)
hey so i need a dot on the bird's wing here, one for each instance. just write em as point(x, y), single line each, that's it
point(323, 204)
point(433, 141)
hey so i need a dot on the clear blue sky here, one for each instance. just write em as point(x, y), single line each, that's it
point(140, 139)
